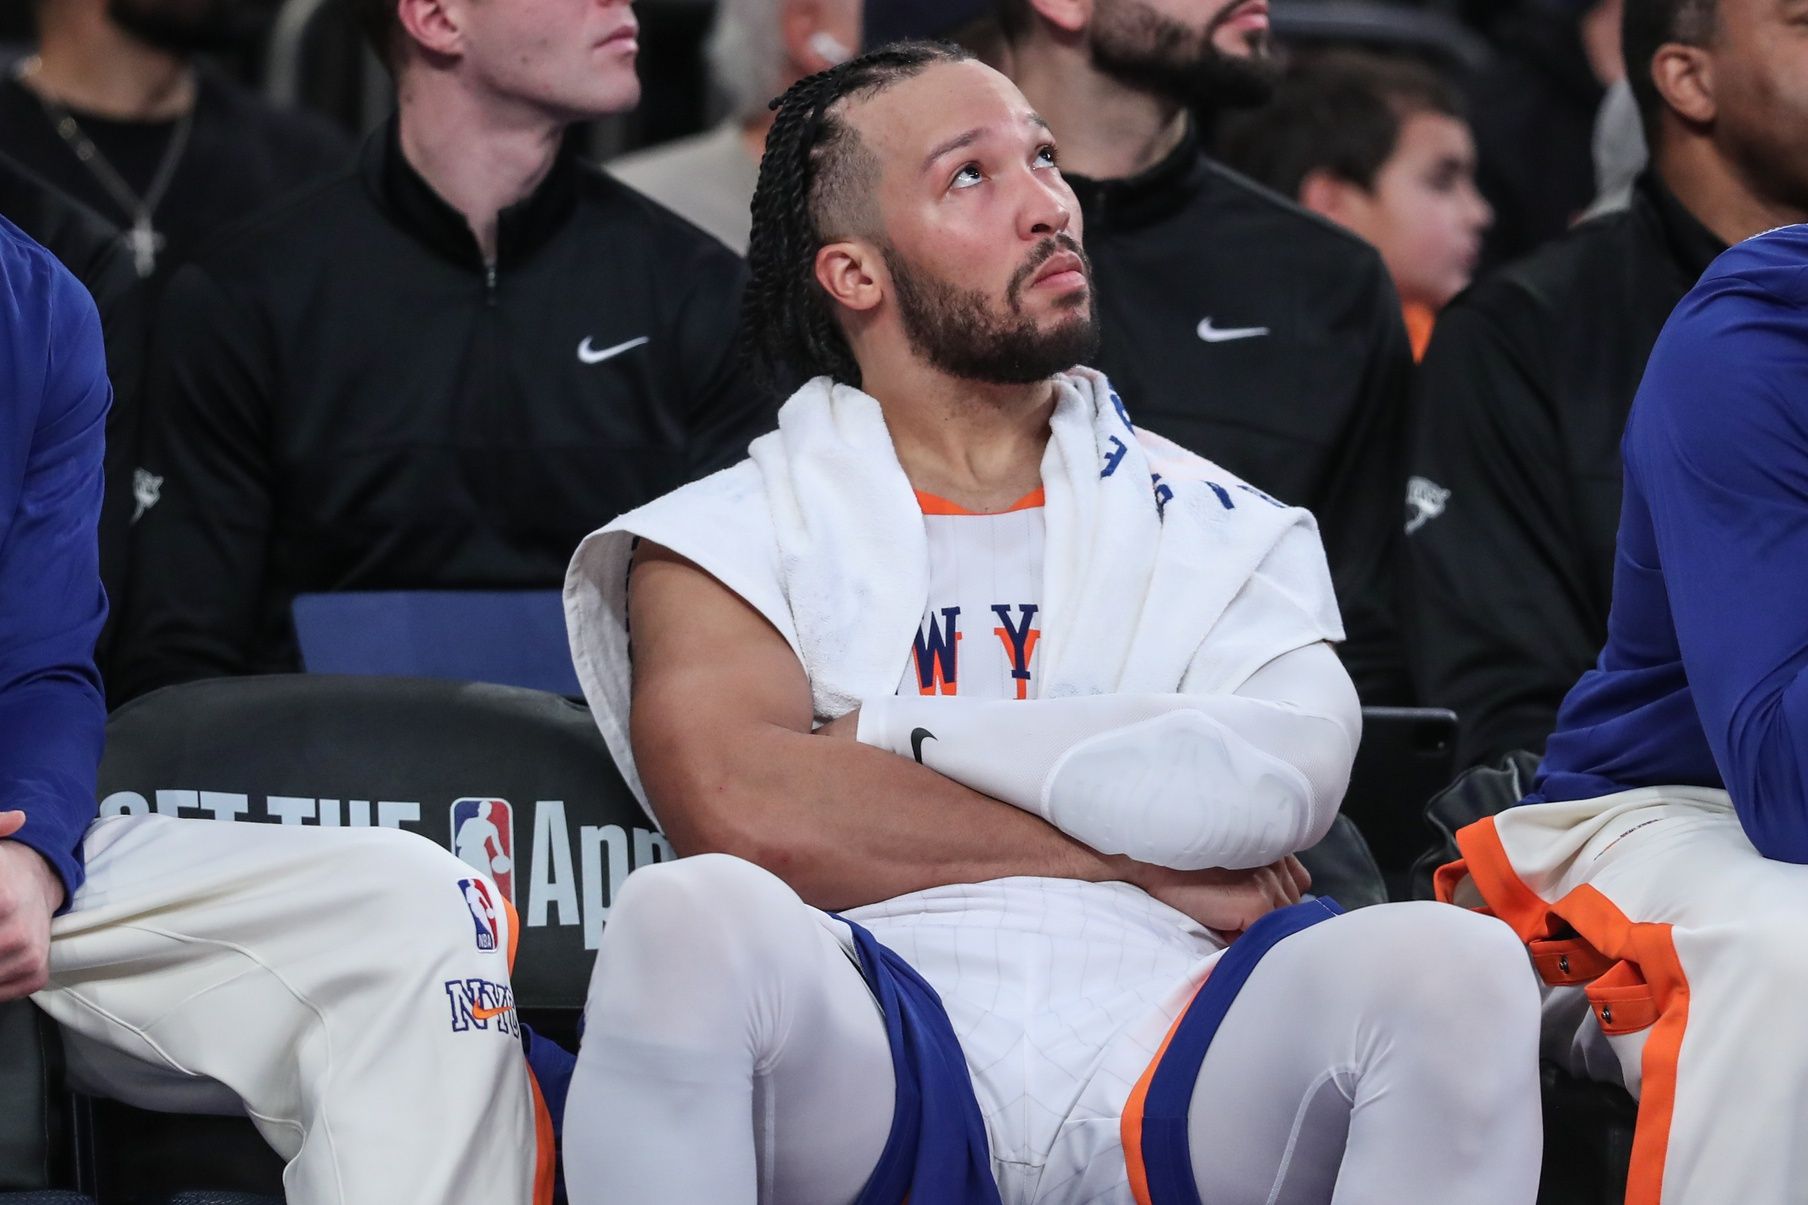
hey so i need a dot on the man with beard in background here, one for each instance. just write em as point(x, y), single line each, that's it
point(116, 110)
point(1254, 332)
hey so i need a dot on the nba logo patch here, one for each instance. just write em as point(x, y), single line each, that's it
point(483, 837)
point(483, 911)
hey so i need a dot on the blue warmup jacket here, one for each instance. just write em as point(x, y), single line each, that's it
point(53, 414)
point(1704, 677)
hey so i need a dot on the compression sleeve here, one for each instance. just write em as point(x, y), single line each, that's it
point(1182, 780)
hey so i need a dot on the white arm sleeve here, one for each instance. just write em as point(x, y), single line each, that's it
point(1186, 781)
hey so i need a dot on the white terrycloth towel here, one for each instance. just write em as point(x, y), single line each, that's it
point(820, 531)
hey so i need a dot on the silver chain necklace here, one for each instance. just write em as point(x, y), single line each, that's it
point(142, 238)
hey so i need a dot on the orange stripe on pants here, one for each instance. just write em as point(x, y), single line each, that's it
point(1648, 950)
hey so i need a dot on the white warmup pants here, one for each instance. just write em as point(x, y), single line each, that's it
point(328, 982)
point(734, 1054)
point(1692, 951)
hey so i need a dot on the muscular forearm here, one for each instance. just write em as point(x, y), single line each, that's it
point(846, 824)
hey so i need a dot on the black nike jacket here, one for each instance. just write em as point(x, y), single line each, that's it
point(343, 396)
point(1514, 499)
point(1271, 342)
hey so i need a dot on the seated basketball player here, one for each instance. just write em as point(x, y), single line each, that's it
point(1043, 706)
point(1659, 878)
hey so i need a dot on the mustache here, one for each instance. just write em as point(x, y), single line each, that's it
point(1047, 250)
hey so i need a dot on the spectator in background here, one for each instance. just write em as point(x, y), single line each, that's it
point(756, 49)
point(1381, 147)
point(116, 110)
point(1246, 329)
point(1534, 114)
point(439, 369)
point(1515, 495)
point(86, 245)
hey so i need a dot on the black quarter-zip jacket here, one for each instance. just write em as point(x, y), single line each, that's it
point(1514, 500)
point(1271, 342)
point(343, 395)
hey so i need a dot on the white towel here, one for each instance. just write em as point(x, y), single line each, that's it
point(820, 531)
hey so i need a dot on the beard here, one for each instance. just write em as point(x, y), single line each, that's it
point(959, 332)
point(1142, 48)
point(177, 26)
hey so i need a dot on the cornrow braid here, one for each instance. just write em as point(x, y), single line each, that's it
point(792, 331)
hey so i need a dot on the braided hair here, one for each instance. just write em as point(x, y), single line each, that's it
point(813, 176)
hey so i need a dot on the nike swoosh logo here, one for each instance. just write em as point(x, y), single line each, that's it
point(487, 1014)
point(589, 355)
point(917, 737)
point(1227, 334)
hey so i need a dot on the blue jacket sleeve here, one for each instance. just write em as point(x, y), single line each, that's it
point(54, 397)
point(1718, 451)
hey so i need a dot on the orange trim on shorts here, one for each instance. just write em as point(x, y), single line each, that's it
point(545, 1145)
point(1645, 985)
point(932, 505)
point(1130, 1128)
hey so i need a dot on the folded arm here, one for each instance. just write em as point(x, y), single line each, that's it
point(721, 727)
point(1178, 780)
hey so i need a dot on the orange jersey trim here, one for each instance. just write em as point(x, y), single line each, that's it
point(932, 505)
point(1641, 984)
point(545, 1146)
point(514, 924)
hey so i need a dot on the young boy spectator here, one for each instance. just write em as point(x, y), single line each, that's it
point(1379, 146)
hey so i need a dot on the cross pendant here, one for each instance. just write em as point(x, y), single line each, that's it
point(144, 243)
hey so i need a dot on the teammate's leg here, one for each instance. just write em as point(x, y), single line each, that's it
point(1724, 1047)
point(1389, 1055)
point(335, 980)
point(732, 1051)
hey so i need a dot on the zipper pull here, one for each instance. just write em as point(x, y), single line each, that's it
point(489, 284)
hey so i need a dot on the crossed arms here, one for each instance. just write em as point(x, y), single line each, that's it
point(721, 725)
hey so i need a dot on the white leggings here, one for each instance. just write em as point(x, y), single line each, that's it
point(734, 1054)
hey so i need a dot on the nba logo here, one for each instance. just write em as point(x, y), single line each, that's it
point(483, 837)
point(483, 911)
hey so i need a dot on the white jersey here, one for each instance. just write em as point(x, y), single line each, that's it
point(1060, 991)
point(983, 620)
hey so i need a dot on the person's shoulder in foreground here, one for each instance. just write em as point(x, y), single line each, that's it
point(53, 405)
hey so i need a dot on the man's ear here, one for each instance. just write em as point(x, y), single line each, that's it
point(1684, 76)
point(1067, 16)
point(1329, 195)
point(435, 24)
point(852, 274)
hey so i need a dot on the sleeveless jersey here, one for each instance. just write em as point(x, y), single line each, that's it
point(979, 631)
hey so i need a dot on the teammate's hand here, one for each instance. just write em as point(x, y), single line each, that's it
point(843, 728)
point(1226, 901)
point(30, 894)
